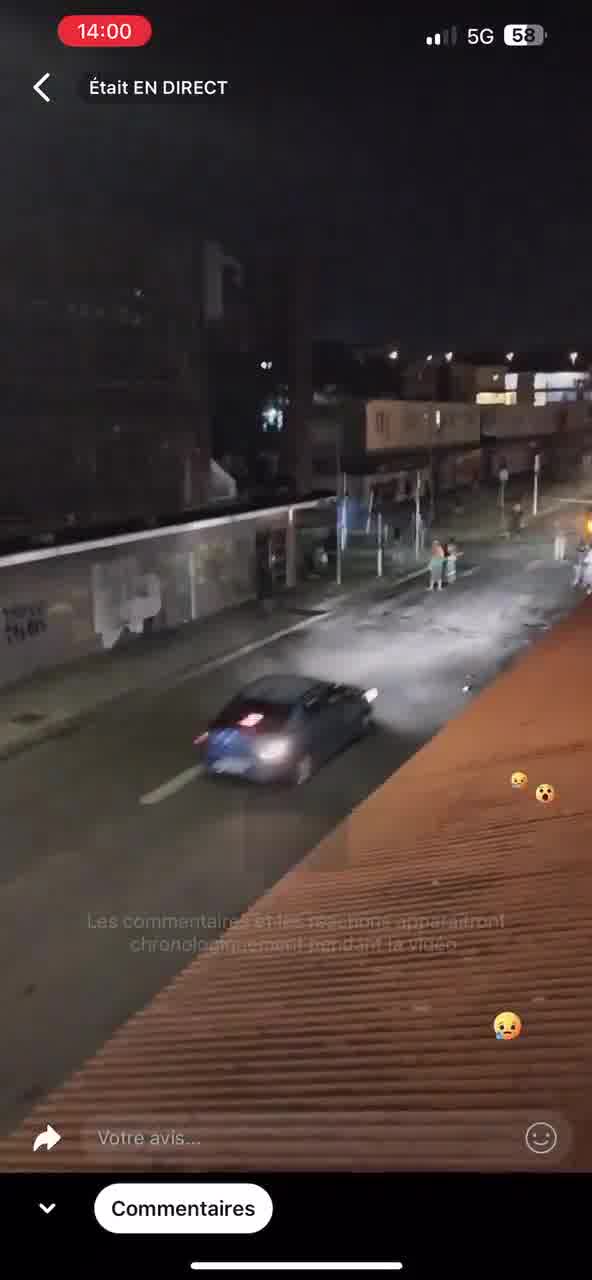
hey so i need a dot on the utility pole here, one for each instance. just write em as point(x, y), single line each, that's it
point(417, 513)
point(338, 488)
point(379, 546)
point(435, 434)
point(535, 483)
point(503, 477)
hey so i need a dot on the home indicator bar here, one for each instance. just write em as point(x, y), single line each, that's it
point(296, 1266)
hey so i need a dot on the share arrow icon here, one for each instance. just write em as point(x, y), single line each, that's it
point(48, 1139)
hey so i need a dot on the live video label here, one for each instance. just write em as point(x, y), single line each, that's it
point(95, 88)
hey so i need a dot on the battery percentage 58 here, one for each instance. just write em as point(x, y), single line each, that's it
point(524, 35)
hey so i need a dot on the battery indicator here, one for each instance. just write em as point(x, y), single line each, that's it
point(524, 35)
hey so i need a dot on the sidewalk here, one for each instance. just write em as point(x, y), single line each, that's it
point(54, 702)
point(480, 518)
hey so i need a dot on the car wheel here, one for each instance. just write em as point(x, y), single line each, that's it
point(303, 770)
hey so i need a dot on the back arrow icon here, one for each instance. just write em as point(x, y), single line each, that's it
point(48, 1139)
point(37, 87)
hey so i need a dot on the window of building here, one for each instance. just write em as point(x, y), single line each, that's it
point(496, 397)
point(554, 388)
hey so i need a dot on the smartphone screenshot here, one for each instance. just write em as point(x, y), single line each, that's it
point(295, 619)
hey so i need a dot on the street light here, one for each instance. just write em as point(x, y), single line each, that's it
point(266, 364)
point(428, 358)
point(394, 355)
point(573, 355)
point(510, 356)
point(449, 356)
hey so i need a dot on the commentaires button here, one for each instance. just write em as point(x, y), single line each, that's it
point(185, 1208)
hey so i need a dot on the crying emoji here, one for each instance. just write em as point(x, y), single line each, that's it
point(507, 1026)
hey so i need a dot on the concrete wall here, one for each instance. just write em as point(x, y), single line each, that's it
point(505, 421)
point(59, 608)
point(400, 424)
point(575, 417)
point(338, 424)
point(517, 457)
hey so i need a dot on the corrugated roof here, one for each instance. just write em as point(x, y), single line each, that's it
point(345, 1022)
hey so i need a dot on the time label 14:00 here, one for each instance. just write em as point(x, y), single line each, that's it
point(104, 30)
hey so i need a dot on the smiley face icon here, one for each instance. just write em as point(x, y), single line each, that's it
point(541, 1138)
point(519, 780)
point(507, 1026)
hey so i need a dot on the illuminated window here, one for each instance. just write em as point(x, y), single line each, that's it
point(496, 397)
point(551, 388)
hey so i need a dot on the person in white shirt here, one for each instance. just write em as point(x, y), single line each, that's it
point(559, 542)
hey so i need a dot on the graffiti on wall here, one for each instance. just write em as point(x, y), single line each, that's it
point(24, 622)
point(125, 599)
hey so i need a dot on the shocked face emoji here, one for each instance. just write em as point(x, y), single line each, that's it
point(545, 793)
point(519, 780)
point(507, 1026)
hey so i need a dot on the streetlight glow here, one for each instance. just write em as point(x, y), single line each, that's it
point(394, 355)
point(449, 355)
point(428, 358)
point(510, 355)
point(573, 355)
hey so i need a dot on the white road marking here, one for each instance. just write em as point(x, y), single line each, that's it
point(173, 785)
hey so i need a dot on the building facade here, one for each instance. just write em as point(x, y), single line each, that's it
point(106, 339)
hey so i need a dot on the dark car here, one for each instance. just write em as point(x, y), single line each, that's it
point(285, 726)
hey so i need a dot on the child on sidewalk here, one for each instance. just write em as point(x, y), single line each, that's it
point(436, 567)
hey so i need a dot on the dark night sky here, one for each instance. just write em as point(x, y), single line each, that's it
point(446, 194)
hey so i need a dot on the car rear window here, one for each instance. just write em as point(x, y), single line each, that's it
point(273, 715)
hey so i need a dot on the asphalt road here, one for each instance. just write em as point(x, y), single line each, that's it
point(115, 824)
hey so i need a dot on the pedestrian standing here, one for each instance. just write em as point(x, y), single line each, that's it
point(451, 558)
point(587, 575)
point(578, 572)
point(559, 542)
point(420, 530)
point(436, 567)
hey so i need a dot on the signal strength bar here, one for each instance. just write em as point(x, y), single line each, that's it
point(449, 36)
